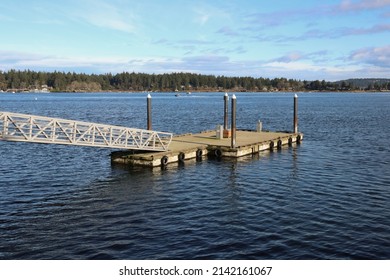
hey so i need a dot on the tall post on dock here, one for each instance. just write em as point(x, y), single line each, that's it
point(149, 112)
point(296, 113)
point(234, 104)
point(225, 115)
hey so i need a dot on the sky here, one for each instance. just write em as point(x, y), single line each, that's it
point(305, 40)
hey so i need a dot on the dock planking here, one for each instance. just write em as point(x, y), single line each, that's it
point(199, 145)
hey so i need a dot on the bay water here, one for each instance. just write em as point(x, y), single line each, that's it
point(327, 198)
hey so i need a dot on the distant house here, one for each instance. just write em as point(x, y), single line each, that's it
point(44, 88)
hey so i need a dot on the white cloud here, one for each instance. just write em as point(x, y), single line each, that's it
point(348, 5)
point(226, 30)
point(201, 16)
point(293, 56)
point(206, 12)
point(283, 16)
point(105, 15)
point(367, 62)
point(284, 67)
point(376, 56)
point(19, 60)
point(310, 71)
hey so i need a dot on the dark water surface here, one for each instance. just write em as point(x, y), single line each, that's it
point(328, 198)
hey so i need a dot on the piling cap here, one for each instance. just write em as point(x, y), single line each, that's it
point(234, 96)
point(226, 94)
point(296, 96)
point(149, 95)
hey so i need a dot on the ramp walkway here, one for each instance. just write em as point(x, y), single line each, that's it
point(39, 129)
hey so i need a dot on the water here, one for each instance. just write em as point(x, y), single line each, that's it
point(328, 198)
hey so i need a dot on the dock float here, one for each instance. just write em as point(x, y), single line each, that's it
point(197, 146)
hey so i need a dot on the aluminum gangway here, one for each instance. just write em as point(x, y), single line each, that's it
point(38, 129)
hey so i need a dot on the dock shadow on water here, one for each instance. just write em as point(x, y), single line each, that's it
point(327, 198)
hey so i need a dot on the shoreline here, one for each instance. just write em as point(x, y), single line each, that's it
point(197, 91)
point(235, 91)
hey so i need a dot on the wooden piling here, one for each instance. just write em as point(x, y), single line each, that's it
point(295, 113)
point(226, 111)
point(234, 105)
point(149, 112)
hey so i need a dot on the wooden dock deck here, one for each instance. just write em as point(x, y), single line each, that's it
point(190, 146)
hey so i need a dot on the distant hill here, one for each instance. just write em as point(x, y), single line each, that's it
point(365, 84)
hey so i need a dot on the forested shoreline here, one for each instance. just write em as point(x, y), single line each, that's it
point(27, 80)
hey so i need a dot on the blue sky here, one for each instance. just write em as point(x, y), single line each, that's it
point(306, 39)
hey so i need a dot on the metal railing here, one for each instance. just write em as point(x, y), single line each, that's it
point(38, 129)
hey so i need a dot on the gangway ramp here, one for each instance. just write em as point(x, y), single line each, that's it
point(39, 129)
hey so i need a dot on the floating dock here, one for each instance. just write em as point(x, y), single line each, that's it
point(147, 147)
point(197, 146)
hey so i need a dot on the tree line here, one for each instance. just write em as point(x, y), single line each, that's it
point(27, 80)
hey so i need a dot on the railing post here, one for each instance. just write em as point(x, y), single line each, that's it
point(234, 103)
point(149, 112)
point(5, 125)
point(225, 116)
point(296, 113)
